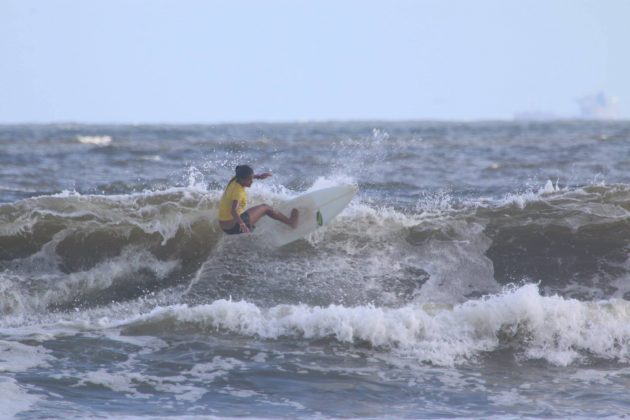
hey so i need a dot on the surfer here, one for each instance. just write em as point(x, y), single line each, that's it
point(233, 217)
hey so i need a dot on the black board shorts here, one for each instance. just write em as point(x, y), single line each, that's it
point(236, 229)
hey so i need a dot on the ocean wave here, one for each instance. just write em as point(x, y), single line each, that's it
point(65, 250)
point(573, 240)
point(84, 249)
point(107, 282)
point(534, 327)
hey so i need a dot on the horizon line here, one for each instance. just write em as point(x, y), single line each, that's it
point(313, 121)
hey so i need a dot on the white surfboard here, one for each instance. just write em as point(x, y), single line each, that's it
point(317, 208)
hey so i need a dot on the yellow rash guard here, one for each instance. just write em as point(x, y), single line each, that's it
point(234, 191)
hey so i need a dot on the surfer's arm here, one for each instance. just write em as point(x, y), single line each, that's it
point(263, 175)
point(237, 217)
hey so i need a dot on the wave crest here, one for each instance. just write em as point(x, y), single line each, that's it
point(573, 242)
point(558, 330)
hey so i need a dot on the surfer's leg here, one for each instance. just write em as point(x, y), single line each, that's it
point(256, 212)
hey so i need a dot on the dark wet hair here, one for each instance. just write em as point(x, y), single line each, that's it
point(243, 171)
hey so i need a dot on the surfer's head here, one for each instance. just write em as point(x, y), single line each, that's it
point(244, 175)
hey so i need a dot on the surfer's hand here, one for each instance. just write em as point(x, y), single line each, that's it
point(263, 175)
point(244, 228)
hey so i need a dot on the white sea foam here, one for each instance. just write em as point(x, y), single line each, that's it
point(18, 357)
point(14, 399)
point(522, 199)
point(189, 386)
point(549, 188)
point(152, 158)
point(95, 140)
point(124, 382)
point(510, 398)
point(552, 328)
point(218, 367)
point(12, 298)
point(327, 182)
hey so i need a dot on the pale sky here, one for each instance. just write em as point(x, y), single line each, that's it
point(200, 61)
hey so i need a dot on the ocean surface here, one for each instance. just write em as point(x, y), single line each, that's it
point(482, 271)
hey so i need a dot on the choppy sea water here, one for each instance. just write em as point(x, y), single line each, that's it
point(483, 270)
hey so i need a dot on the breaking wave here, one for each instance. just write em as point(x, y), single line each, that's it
point(69, 250)
point(559, 330)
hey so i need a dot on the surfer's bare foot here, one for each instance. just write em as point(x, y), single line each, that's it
point(295, 216)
